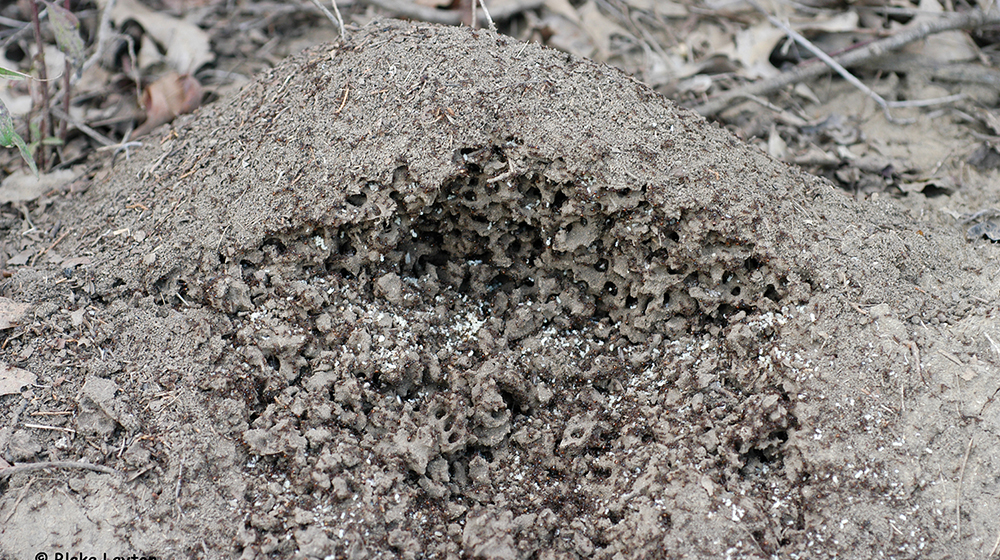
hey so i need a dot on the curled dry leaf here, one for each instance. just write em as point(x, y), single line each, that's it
point(168, 97)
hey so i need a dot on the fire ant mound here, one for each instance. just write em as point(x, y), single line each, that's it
point(431, 292)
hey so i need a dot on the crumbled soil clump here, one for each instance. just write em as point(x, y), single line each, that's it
point(431, 292)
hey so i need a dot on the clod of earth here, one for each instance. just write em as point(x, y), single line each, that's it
point(462, 296)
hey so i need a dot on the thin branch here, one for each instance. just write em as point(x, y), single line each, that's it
point(66, 118)
point(104, 37)
point(798, 38)
point(489, 20)
point(968, 20)
point(339, 21)
point(402, 8)
point(28, 467)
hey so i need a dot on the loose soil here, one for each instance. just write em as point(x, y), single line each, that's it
point(431, 293)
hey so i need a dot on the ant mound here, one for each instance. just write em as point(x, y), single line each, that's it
point(439, 292)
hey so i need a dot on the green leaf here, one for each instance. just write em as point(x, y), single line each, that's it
point(67, 30)
point(13, 75)
point(9, 137)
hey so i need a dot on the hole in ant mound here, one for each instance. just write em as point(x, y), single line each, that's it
point(666, 299)
point(440, 413)
point(735, 291)
point(514, 248)
point(486, 453)
point(538, 245)
point(751, 264)
point(673, 236)
point(528, 283)
point(631, 302)
point(274, 244)
point(615, 517)
point(346, 249)
point(453, 437)
point(499, 281)
point(624, 192)
point(772, 294)
point(449, 423)
point(469, 195)
point(273, 363)
point(583, 222)
point(357, 199)
point(577, 433)
point(723, 313)
point(533, 195)
point(610, 289)
point(675, 271)
point(438, 259)
point(601, 265)
point(559, 200)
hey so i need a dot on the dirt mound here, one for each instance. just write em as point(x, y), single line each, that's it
point(434, 292)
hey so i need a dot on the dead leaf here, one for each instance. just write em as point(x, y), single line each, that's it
point(13, 379)
point(949, 46)
point(75, 262)
point(753, 49)
point(776, 146)
point(23, 187)
point(168, 97)
point(842, 22)
point(21, 258)
point(11, 312)
point(187, 45)
point(600, 28)
point(563, 8)
point(566, 36)
point(433, 3)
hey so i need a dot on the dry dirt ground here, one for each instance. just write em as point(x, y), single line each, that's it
point(432, 292)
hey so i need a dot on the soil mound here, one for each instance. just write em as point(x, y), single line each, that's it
point(479, 163)
point(435, 292)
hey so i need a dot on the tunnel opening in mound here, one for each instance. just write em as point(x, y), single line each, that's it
point(595, 253)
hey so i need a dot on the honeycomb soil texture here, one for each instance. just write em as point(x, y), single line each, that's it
point(431, 292)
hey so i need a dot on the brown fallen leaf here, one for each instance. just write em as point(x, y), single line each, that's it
point(11, 312)
point(172, 95)
point(13, 379)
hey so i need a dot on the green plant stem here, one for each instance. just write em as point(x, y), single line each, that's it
point(46, 128)
point(66, 91)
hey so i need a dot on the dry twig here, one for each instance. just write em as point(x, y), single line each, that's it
point(968, 20)
point(402, 8)
point(28, 467)
point(339, 21)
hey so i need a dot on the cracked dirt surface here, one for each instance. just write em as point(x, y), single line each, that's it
point(435, 293)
